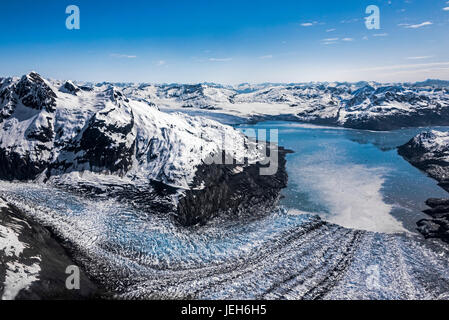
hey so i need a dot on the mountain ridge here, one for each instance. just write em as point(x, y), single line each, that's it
point(98, 139)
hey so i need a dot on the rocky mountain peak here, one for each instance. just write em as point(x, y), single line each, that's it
point(69, 87)
point(116, 95)
point(35, 93)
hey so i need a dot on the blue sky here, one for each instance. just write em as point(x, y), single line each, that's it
point(226, 41)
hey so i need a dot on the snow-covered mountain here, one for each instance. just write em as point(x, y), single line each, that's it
point(365, 105)
point(95, 137)
point(429, 151)
point(60, 129)
point(201, 96)
point(389, 107)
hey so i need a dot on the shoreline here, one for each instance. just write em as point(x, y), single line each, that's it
point(437, 226)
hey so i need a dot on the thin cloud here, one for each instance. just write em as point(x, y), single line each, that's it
point(446, 9)
point(308, 24)
point(380, 35)
point(420, 72)
point(122, 56)
point(161, 62)
point(350, 20)
point(331, 30)
point(417, 26)
point(329, 41)
point(268, 56)
point(311, 23)
point(405, 66)
point(220, 59)
point(419, 58)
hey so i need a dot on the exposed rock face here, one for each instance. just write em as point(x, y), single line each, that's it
point(33, 264)
point(69, 87)
point(110, 147)
point(232, 191)
point(27, 126)
point(107, 143)
point(16, 166)
point(429, 151)
point(100, 140)
point(35, 93)
point(438, 226)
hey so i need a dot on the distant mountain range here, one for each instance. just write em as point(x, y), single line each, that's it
point(362, 105)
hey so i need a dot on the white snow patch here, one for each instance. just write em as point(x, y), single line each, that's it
point(9, 241)
point(19, 277)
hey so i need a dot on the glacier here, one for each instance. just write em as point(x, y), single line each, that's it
point(280, 256)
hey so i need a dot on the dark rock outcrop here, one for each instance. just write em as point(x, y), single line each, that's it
point(232, 191)
point(15, 166)
point(70, 87)
point(105, 144)
point(438, 226)
point(33, 101)
point(35, 93)
point(429, 152)
point(42, 258)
